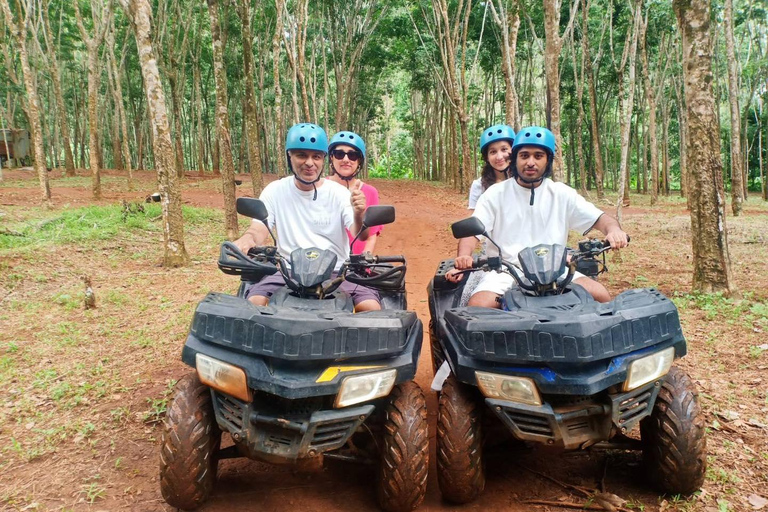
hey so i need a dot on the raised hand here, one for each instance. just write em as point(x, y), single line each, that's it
point(357, 198)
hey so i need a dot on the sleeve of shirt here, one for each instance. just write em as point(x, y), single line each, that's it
point(475, 191)
point(347, 212)
point(371, 199)
point(484, 210)
point(582, 214)
point(268, 198)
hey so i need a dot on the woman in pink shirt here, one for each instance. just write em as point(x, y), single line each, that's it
point(346, 152)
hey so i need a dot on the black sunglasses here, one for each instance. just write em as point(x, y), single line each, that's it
point(338, 154)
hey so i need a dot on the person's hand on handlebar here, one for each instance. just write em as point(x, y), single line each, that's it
point(245, 242)
point(460, 263)
point(617, 238)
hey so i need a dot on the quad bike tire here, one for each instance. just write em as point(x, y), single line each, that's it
point(436, 349)
point(190, 444)
point(674, 446)
point(402, 482)
point(460, 469)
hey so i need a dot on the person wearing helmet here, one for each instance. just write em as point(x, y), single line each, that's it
point(495, 147)
point(307, 210)
point(347, 158)
point(529, 210)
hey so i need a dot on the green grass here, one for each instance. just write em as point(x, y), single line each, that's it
point(94, 223)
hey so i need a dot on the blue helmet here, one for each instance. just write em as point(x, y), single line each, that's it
point(306, 136)
point(535, 136)
point(495, 133)
point(349, 139)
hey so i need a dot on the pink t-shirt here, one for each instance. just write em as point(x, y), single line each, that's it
point(371, 199)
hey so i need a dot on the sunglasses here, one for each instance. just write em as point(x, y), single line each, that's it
point(338, 154)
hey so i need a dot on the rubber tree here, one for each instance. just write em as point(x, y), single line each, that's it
point(140, 14)
point(223, 132)
point(737, 164)
point(711, 260)
point(101, 18)
point(18, 29)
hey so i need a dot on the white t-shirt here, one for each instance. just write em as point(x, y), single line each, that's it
point(475, 191)
point(303, 223)
point(515, 224)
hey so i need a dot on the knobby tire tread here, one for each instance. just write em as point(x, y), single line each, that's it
point(675, 451)
point(402, 482)
point(460, 471)
point(189, 446)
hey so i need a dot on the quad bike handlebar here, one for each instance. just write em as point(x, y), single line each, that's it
point(364, 269)
point(584, 260)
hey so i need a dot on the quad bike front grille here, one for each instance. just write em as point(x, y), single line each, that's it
point(230, 411)
point(634, 407)
point(529, 423)
point(331, 434)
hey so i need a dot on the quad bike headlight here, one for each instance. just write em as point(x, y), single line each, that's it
point(361, 388)
point(507, 387)
point(223, 377)
point(649, 368)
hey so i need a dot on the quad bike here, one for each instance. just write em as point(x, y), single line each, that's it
point(303, 378)
point(555, 367)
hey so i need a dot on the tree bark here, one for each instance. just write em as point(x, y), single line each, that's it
point(18, 31)
point(222, 124)
point(651, 99)
point(119, 108)
point(552, 50)
point(508, 21)
point(711, 260)
point(280, 135)
point(175, 255)
point(251, 114)
point(737, 187)
point(593, 113)
point(92, 43)
point(69, 159)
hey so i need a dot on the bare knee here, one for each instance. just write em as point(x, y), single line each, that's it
point(484, 300)
point(367, 305)
point(258, 300)
point(597, 290)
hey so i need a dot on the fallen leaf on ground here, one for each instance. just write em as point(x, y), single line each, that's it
point(757, 502)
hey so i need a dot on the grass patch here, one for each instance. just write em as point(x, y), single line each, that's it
point(93, 223)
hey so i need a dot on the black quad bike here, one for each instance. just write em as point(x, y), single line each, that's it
point(303, 377)
point(555, 367)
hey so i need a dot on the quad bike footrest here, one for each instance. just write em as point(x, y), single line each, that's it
point(580, 424)
point(280, 438)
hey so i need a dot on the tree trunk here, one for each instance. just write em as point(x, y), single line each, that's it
point(651, 99)
point(552, 68)
point(711, 260)
point(175, 254)
point(222, 124)
point(120, 109)
point(508, 21)
point(737, 187)
point(18, 31)
point(250, 113)
point(279, 139)
point(92, 44)
point(627, 105)
point(69, 159)
point(593, 117)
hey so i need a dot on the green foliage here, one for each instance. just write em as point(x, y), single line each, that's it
point(93, 223)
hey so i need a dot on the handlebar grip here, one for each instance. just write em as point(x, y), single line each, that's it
point(480, 262)
point(607, 244)
point(389, 259)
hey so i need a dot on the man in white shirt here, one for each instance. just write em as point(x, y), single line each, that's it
point(308, 211)
point(528, 210)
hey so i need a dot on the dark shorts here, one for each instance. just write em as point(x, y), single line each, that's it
point(270, 284)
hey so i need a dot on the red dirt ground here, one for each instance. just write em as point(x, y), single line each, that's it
point(660, 254)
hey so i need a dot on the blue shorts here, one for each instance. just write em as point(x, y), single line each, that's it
point(270, 284)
